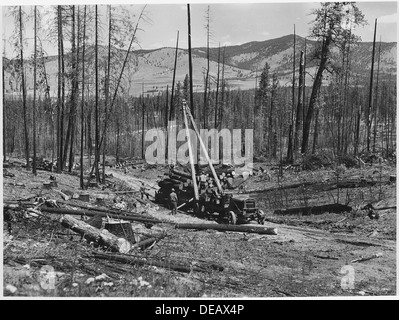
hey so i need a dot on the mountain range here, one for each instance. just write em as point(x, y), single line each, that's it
point(152, 70)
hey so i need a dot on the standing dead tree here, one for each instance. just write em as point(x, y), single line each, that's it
point(329, 31)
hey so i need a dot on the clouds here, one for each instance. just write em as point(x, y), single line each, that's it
point(391, 18)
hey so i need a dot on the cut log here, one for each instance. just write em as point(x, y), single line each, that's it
point(63, 195)
point(333, 208)
point(92, 213)
point(181, 173)
point(102, 237)
point(169, 265)
point(67, 192)
point(377, 255)
point(145, 243)
point(103, 209)
point(225, 227)
point(388, 203)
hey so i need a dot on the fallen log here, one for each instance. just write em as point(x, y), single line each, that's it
point(91, 213)
point(281, 187)
point(227, 227)
point(388, 203)
point(63, 195)
point(145, 243)
point(101, 209)
point(170, 265)
point(141, 262)
point(102, 237)
point(377, 255)
point(325, 257)
point(181, 173)
point(333, 208)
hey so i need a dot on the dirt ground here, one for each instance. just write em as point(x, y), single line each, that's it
point(315, 255)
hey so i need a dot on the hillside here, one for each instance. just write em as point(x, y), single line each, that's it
point(153, 69)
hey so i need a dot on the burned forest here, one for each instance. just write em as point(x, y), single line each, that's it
point(150, 158)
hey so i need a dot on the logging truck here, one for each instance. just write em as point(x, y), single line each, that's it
point(204, 194)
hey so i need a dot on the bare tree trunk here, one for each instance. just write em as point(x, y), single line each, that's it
point(190, 63)
point(142, 124)
point(4, 112)
point(223, 89)
point(316, 132)
point(75, 88)
point(370, 106)
point(376, 98)
point(96, 110)
point(205, 111)
point(34, 90)
point(304, 88)
point(299, 111)
point(24, 91)
point(315, 91)
point(172, 114)
point(290, 151)
point(217, 89)
point(83, 99)
point(167, 111)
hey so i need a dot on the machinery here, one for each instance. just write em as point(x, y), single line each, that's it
point(204, 195)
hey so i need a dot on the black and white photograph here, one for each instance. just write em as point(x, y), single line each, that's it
point(200, 150)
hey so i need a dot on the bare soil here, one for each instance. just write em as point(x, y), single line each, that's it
point(311, 255)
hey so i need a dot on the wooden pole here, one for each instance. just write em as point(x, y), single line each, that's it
point(190, 151)
point(206, 154)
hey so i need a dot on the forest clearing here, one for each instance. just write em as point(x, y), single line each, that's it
point(307, 257)
point(263, 169)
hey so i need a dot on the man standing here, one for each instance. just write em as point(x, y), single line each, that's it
point(142, 191)
point(173, 201)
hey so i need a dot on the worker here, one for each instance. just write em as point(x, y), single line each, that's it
point(142, 191)
point(173, 201)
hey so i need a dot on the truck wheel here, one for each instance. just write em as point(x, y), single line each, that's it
point(232, 217)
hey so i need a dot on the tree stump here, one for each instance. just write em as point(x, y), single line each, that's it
point(54, 184)
point(100, 201)
point(84, 197)
point(47, 185)
point(121, 229)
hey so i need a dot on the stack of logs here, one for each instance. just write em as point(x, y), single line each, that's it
point(182, 180)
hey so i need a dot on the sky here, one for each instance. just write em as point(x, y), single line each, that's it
point(232, 22)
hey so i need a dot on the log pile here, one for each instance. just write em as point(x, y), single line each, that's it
point(181, 181)
point(43, 164)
